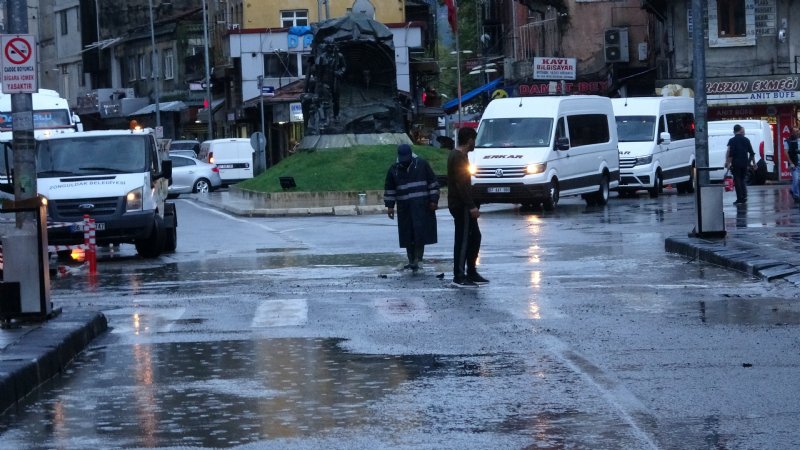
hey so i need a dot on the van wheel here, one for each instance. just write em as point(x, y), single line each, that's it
point(599, 198)
point(551, 200)
point(687, 187)
point(658, 185)
point(150, 247)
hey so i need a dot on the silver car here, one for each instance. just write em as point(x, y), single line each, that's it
point(192, 175)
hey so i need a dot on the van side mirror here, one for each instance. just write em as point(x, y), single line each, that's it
point(166, 169)
point(664, 138)
point(562, 143)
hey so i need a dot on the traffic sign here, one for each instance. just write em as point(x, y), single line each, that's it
point(268, 91)
point(18, 64)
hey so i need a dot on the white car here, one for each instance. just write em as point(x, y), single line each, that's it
point(190, 175)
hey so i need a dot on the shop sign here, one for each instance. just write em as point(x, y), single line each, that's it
point(571, 87)
point(753, 90)
point(554, 68)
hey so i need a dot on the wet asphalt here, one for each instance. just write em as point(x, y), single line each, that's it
point(287, 332)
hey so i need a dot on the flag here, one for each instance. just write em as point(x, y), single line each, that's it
point(452, 14)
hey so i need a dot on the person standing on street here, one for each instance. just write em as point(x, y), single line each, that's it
point(467, 238)
point(411, 185)
point(739, 158)
point(790, 145)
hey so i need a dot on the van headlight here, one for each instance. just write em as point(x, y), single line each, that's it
point(133, 200)
point(532, 169)
point(644, 160)
point(473, 169)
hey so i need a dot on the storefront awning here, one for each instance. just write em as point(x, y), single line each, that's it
point(175, 106)
point(452, 105)
point(202, 113)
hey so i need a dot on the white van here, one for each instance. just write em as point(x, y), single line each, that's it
point(656, 143)
point(761, 138)
point(118, 177)
point(534, 150)
point(233, 157)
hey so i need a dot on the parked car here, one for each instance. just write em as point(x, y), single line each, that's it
point(192, 145)
point(186, 153)
point(233, 156)
point(190, 175)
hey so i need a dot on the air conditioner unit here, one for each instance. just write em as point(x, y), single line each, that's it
point(615, 45)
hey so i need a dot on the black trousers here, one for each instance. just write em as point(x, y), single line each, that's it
point(740, 182)
point(466, 242)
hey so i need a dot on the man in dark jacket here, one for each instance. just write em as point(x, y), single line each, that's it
point(411, 185)
point(790, 146)
point(467, 238)
point(739, 158)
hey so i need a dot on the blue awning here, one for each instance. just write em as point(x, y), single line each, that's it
point(452, 105)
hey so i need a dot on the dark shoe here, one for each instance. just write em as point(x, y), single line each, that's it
point(737, 202)
point(414, 267)
point(476, 278)
point(463, 283)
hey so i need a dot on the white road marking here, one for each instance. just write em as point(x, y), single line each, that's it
point(282, 312)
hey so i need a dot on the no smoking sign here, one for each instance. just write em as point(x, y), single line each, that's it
point(18, 63)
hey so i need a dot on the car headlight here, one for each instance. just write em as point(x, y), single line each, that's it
point(644, 160)
point(473, 169)
point(532, 169)
point(133, 200)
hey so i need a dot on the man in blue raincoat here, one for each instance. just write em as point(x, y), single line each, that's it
point(411, 185)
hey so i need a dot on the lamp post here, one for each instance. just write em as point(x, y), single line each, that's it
point(262, 161)
point(208, 71)
point(154, 60)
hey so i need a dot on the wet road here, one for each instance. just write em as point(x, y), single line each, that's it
point(305, 333)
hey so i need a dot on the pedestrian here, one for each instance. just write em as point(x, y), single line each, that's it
point(738, 159)
point(790, 145)
point(467, 238)
point(411, 185)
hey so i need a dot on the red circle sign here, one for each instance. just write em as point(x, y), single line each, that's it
point(18, 51)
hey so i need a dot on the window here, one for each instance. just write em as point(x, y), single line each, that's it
point(131, 68)
point(142, 67)
point(64, 22)
point(731, 18)
point(280, 65)
point(169, 63)
point(587, 129)
point(294, 18)
point(680, 126)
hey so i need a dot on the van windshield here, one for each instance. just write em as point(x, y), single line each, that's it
point(91, 155)
point(516, 132)
point(636, 128)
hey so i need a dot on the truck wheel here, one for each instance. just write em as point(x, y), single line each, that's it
point(171, 228)
point(150, 247)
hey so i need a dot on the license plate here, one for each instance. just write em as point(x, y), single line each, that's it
point(225, 166)
point(78, 227)
point(498, 190)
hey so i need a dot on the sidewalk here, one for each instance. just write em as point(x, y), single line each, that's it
point(763, 240)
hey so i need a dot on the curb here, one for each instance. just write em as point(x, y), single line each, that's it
point(45, 352)
point(741, 260)
point(343, 210)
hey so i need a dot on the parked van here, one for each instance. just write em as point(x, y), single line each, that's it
point(761, 138)
point(233, 157)
point(534, 150)
point(656, 143)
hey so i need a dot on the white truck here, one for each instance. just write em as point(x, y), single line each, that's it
point(118, 177)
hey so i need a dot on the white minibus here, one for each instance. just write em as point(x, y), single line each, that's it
point(535, 150)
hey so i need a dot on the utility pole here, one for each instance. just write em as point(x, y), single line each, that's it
point(22, 107)
point(700, 102)
point(154, 63)
point(262, 161)
point(208, 72)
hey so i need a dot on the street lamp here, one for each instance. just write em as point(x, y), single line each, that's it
point(458, 53)
point(154, 60)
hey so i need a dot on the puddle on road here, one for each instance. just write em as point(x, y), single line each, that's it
point(223, 394)
point(749, 311)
